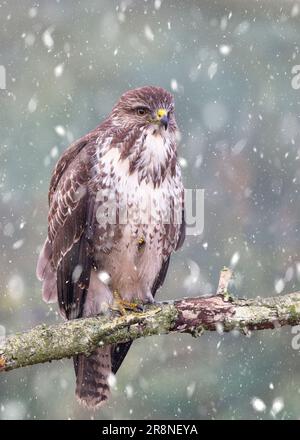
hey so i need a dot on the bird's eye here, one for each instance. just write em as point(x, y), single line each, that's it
point(141, 111)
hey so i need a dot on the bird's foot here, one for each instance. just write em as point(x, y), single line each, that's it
point(122, 306)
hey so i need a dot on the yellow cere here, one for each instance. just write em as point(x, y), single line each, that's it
point(161, 112)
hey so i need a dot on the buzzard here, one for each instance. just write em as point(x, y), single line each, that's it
point(116, 214)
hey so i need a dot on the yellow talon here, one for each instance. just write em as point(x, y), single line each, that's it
point(121, 305)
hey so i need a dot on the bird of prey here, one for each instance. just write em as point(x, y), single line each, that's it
point(116, 214)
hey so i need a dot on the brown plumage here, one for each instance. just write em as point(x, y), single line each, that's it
point(129, 161)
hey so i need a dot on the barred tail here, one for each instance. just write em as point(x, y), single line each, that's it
point(92, 373)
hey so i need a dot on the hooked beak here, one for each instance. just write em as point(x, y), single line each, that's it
point(162, 117)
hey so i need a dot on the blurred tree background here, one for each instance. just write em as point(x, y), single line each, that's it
point(229, 65)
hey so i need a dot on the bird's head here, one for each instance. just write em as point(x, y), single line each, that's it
point(147, 108)
point(142, 126)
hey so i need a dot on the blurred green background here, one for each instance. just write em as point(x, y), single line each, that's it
point(229, 65)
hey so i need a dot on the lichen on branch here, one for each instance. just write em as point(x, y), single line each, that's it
point(188, 315)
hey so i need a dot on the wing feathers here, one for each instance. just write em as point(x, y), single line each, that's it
point(71, 217)
point(44, 261)
point(46, 274)
point(75, 263)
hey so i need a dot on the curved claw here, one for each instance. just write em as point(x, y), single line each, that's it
point(122, 305)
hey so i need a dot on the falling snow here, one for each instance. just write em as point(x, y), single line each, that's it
point(258, 404)
point(277, 406)
point(279, 285)
point(18, 244)
point(16, 287)
point(59, 70)
point(47, 38)
point(212, 70)
point(174, 85)
point(60, 130)
point(235, 259)
point(104, 277)
point(148, 33)
point(32, 104)
point(225, 49)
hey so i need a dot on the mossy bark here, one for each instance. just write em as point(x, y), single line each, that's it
point(189, 315)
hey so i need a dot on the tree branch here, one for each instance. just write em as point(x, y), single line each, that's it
point(189, 315)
